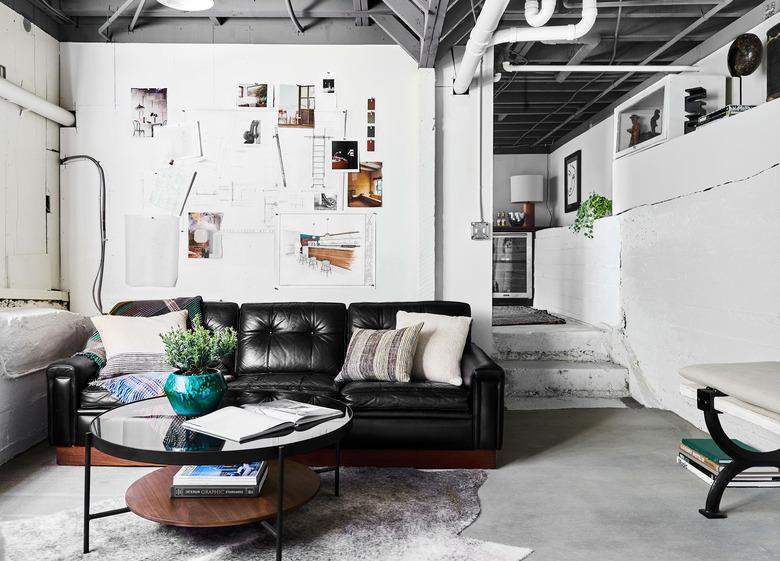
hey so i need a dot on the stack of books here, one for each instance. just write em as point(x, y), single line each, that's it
point(703, 458)
point(239, 480)
point(727, 111)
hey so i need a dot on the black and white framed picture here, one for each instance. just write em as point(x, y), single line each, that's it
point(572, 188)
point(344, 155)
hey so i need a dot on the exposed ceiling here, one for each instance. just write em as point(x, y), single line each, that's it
point(534, 112)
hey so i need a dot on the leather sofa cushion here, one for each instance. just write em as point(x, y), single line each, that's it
point(381, 315)
point(93, 397)
point(219, 315)
point(291, 337)
point(413, 396)
point(287, 382)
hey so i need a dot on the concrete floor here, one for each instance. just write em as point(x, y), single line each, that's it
point(573, 484)
point(603, 485)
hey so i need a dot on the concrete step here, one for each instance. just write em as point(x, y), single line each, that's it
point(560, 378)
point(572, 341)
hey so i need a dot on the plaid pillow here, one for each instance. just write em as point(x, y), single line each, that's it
point(384, 355)
point(96, 352)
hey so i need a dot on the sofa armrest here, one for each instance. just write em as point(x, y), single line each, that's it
point(65, 379)
point(485, 378)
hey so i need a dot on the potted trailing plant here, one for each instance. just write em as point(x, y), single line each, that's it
point(594, 207)
point(197, 386)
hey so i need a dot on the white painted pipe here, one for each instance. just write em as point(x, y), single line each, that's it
point(596, 68)
point(536, 17)
point(28, 100)
point(482, 36)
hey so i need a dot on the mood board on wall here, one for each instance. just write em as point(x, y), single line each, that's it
point(243, 184)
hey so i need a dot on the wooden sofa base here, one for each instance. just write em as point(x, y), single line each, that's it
point(423, 459)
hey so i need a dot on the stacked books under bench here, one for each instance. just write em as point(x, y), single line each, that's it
point(703, 458)
point(239, 480)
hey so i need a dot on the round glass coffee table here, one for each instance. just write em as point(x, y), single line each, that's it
point(149, 431)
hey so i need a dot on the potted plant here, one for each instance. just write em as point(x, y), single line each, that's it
point(594, 207)
point(197, 386)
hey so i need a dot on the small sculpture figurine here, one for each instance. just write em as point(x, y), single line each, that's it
point(635, 130)
point(654, 122)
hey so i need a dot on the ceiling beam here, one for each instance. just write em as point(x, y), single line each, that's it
point(137, 14)
point(400, 34)
point(434, 20)
point(458, 12)
point(103, 28)
point(360, 6)
point(408, 12)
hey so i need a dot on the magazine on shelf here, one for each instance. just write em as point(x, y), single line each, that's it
point(237, 424)
point(220, 491)
point(293, 411)
point(231, 474)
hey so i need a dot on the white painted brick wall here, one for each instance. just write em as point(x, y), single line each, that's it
point(579, 277)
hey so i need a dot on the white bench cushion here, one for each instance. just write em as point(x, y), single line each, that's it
point(757, 383)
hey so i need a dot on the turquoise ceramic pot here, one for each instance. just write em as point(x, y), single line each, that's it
point(196, 394)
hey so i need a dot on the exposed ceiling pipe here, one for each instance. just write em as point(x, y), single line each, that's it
point(482, 36)
point(594, 68)
point(31, 102)
point(536, 17)
point(640, 3)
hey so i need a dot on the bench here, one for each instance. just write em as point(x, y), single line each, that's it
point(749, 391)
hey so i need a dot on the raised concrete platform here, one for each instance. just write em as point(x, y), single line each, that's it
point(559, 378)
point(572, 341)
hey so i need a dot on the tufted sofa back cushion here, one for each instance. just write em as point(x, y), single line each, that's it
point(291, 337)
point(381, 315)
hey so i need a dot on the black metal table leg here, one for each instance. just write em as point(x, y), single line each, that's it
point(279, 503)
point(338, 466)
point(87, 469)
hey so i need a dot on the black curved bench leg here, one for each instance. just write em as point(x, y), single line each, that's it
point(712, 508)
point(741, 459)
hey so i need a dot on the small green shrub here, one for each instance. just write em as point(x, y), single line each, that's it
point(591, 209)
point(195, 351)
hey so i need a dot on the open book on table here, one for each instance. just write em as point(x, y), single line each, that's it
point(293, 411)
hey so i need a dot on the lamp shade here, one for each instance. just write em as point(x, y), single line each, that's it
point(188, 5)
point(526, 188)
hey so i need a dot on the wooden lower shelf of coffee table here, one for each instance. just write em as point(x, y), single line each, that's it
point(150, 498)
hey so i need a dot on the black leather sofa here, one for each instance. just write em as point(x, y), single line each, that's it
point(297, 349)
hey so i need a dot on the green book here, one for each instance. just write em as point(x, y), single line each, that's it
point(707, 448)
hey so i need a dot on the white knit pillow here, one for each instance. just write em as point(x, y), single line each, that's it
point(133, 344)
point(439, 346)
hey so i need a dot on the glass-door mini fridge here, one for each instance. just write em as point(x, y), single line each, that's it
point(513, 265)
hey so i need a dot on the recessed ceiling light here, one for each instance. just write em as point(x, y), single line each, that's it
point(188, 5)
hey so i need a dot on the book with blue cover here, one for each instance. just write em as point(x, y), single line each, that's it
point(231, 474)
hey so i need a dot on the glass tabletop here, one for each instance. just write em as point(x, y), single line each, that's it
point(150, 431)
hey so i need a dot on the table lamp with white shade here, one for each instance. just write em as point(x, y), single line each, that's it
point(527, 189)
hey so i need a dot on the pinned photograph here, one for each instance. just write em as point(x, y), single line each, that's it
point(364, 187)
point(371, 117)
point(296, 106)
point(326, 201)
point(334, 249)
point(252, 95)
point(328, 85)
point(370, 145)
point(344, 155)
point(371, 104)
point(149, 110)
point(251, 134)
point(371, 132)
point(205, 235)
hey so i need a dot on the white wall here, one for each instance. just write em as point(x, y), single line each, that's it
point(29, 167)
point(596, 147)
point(96, 82)
point(464, 266)
point(579, 277)
point(507, 165)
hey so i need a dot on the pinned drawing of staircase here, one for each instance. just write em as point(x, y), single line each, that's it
point(318, 143)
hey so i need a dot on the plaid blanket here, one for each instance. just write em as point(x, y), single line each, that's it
point(96, 352)
point(134, 387)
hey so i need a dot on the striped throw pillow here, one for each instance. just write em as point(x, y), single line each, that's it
point(384, 355)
